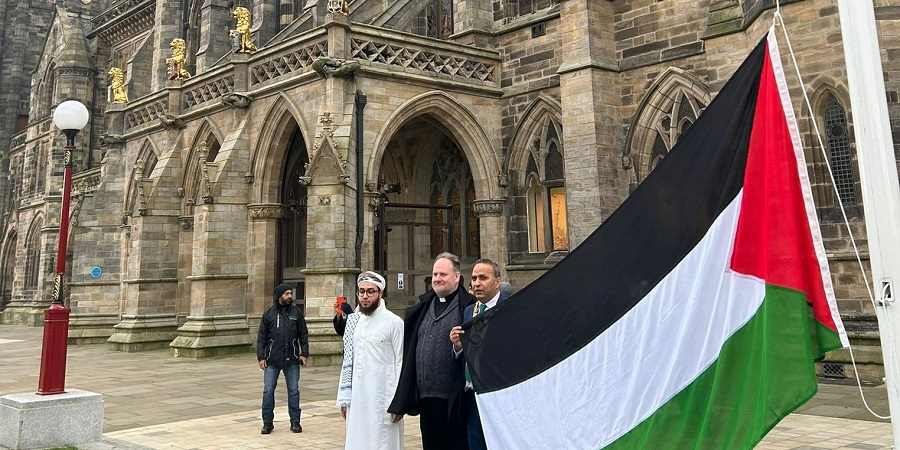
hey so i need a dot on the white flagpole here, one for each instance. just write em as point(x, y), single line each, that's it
point(878, 178)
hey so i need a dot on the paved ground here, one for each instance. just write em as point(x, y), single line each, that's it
point(155, 401)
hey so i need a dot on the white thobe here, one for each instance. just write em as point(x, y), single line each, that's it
point(373, 364)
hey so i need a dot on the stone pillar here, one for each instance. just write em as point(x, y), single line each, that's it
point(265, 21)
point(262, 252)
point(329, 260)
point(596, 183)
point(149, 289)
point(167, 25)
point(215, 23)
point(331, 203)
point(472, 22)
point(185, 261)
point(217, 323)
point(493, 231)
point(96, 218)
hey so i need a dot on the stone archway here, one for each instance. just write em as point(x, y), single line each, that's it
point(448, 177)
point(277, 212)
point(8, 257)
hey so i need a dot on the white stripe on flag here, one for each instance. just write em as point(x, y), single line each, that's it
point(624, 375)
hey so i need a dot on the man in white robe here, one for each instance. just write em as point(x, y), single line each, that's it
point(373, 356)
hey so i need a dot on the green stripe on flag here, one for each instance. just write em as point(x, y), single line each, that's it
point(765, 371)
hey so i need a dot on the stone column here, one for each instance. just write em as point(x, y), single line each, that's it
point(493, 231)
point(166, 26)
point(185, 261)
point(262, 252)
point(331, 203)
point(330, 270)
point(265, 21)
point(150, 284)
point(596, 183)
point(215, 23)
point(96, 218)
point(217, 323)
point(472, 22)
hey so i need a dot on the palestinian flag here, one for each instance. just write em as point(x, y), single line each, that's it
point(692, 318)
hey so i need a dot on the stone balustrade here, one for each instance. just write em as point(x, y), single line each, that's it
point(397, 51)
point(145, 110)
point(209, 86)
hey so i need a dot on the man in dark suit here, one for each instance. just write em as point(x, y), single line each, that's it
point(486, 287)
point(431, 379)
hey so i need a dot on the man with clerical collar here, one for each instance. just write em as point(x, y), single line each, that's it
point(432, 379)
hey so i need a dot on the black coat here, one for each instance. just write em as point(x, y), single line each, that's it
point(406, 398)
point(340, 322)
point(283, 336)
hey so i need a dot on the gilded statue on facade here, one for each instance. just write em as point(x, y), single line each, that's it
point(117, 84)
point(243, 22)
point(177, 61)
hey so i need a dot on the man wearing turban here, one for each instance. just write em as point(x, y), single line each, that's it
point(373, 356)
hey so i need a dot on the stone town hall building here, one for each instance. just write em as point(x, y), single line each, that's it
point(506, 129)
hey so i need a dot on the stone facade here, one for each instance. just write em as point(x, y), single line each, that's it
point(506, 129)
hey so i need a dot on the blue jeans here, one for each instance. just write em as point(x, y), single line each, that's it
point(270, 381)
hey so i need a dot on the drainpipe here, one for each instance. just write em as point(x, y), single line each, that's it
point(360, 102)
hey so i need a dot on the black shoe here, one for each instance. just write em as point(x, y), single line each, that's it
point(267, 428)
point(296, 428)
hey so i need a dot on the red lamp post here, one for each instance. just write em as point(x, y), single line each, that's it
point(70, 116)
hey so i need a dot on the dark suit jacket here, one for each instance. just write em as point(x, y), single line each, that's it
point(406, 398)
point(467, 314)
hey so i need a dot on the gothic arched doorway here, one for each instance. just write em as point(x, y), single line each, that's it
point(8, 272)
point(425, 208)
point(292, 227)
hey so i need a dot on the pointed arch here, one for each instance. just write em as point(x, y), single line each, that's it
point(208, 139)
point(33, 250)
point(146, 159)
point(463, 126)
point(832, 113)
point(672, 102)
point(281, 121)
point(536, 119)
point(7, 266)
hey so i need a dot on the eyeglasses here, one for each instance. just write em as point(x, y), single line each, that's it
point(364, 292)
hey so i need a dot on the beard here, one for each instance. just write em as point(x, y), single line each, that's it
point(370, 309)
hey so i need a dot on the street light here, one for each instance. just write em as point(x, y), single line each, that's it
point(70, 116)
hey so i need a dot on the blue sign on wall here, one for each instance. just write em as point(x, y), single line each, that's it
point(96, 272)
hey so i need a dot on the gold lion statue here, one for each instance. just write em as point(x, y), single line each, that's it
point(117, 84)
point(176, 62)
point(242, 23)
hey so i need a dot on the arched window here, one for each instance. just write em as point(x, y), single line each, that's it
point(840, 157)
point(546, 195)
point(33, 256)
point(671, 105)
point(40, 168)
point(435, 19)
point(516, 8)
point(537, 228)
point(288, 10)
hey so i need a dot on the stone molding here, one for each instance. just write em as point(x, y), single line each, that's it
point(269, 211)
point(489, 208)
point(186, 222)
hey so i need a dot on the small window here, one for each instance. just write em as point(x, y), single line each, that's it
point(839, 155)
point(538, 30)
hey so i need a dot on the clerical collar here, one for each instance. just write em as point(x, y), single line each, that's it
point(442, 299)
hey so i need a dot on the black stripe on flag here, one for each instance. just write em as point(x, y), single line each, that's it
point(622, 260)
